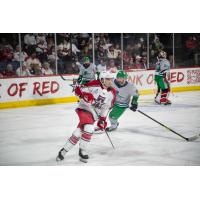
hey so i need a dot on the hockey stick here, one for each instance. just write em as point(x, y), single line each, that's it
point(64, 79)
point(109, 139)
point(185, 138)
point(105, 129)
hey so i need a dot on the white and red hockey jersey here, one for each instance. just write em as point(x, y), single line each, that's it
point(103, 99)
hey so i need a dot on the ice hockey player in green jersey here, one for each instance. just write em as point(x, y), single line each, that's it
point(87, 71)
point(161, 74)
point(126, 93)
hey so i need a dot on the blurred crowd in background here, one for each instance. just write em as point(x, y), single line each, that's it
point(37, 54)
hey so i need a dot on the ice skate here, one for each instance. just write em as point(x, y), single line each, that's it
point(61, 155)
point(83, 156)
point(165, 101)
point(168, 102)
point(112, 127)
point(156, 101)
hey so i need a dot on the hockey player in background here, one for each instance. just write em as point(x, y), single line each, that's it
point(162, 75)
point(96, 99)
point(87, 71)
point(126, 92)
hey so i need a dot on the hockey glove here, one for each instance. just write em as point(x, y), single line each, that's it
point(78, 91)
point(134, 107)
point(86, 96)
point(102, 124)
point(79, 79)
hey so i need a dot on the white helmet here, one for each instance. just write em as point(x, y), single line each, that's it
point(105, 74)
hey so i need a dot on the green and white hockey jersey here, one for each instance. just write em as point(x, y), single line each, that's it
point(162, 67)
point(87, 74)
point(124, 94)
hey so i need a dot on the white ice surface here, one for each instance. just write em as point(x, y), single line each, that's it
point(34, 135)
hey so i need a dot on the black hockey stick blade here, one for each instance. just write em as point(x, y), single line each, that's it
point(193, 138)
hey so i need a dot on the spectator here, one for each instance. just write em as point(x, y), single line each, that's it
point(105, 44)
point(157, 45)
point(191, 47)
point(23, 70)
point(126, 58)
point(50, 42)
point(7, 54)
point(112, 53)
point(19, 57)
point(46, 69)
point(101, 53)
point(36, 69)
point(29, 39)
point(51, 55)
point(130, 64)
point(41, 37)
point(75, 68)
point(90, 46)
point(112, 66)
point(32, 61)
point(75, 50)
point(84, 35)
point(9, 72)
point(144, 62)
point(138, 62)
point(136, 49)
point(41, 45)
point(41, 48)
point(117, 49)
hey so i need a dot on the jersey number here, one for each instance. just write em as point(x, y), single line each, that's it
point(99, 102)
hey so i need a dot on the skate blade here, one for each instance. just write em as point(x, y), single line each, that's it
point(83, 160)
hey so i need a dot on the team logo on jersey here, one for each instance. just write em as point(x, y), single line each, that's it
point(99, 102)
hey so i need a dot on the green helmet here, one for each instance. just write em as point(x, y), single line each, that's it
point(122, 74)
point(86, 59)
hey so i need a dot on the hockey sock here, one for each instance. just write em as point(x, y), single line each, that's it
point(72, 141)
point(86, 137)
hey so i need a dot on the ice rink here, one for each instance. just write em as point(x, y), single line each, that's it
point(34, 135)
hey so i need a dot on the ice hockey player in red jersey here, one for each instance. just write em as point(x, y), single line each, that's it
point(96, 99)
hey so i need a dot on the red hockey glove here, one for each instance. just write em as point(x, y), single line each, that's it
point(78, 91)
point(87, 97)
point(102, 124)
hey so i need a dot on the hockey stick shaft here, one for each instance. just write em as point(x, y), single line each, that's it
point(65, 79)
point(105, 129)
point(187, 139)
point(109, 139)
